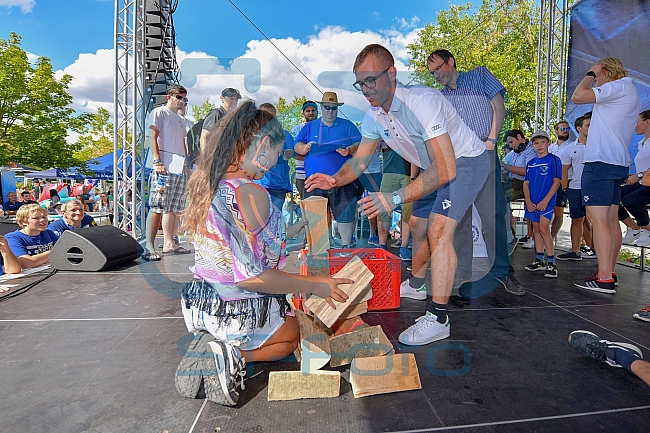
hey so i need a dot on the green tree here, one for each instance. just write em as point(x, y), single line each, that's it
point(200, 111)
point(96, 137)
point(500, 35)
point(35, 113)
point(290, 115)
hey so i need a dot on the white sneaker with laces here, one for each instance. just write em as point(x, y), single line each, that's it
point(426, 330)
point(644, 239)
point(530, 244)
point(406, 291)
point(631, 235)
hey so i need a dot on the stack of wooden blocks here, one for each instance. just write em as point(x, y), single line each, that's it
point(340, 337)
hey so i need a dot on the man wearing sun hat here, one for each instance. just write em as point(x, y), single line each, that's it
point(327, 144)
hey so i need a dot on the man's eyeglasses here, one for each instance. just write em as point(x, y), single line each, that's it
point(563, 129)
point(436, 70)
point(330, 108)
point(369, 82)
point(181, 98)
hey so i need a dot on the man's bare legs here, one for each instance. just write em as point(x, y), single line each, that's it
point(576, 233)
point(170, 226)
point(607, 238)
point(642, 370)
point(443, 256)
point(421, 251)
point(558, 218)
point(153, 223)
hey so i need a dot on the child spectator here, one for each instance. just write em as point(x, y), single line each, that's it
point(33, 241)
point(543, 176)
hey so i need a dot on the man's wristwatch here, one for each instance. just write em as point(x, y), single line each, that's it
point(591, 74)
point(493, 140)
point(640, 175)
point(397, 199)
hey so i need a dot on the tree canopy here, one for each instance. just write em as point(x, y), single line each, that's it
point(200, 111)
point(96, 137)
point(35, 112)
point(500, 35)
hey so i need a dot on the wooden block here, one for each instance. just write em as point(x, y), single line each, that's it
point(360, 343)
point(356, 270)
point(314, 344)
point(354, 310)
point(294, 385)
point(314, 210)
point(384, 374)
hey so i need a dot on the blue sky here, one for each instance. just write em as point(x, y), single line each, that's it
point(77, 35)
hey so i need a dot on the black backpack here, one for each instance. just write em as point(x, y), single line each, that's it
point(194, 134)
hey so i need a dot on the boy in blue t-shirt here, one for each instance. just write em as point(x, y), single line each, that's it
point(34, 241)
point(9, 263)
point(543, 177)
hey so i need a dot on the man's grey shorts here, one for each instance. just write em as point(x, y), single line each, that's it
point(454, 198)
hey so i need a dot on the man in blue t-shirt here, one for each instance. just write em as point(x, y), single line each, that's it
point(12, 204)
point(327, 144)
point(74, 217)
point(33, 241)
point(277, 180)
point(543, 177)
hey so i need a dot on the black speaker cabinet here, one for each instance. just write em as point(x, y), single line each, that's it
point(93, 249)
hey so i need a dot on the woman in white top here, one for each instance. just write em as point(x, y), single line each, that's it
point(635, 196)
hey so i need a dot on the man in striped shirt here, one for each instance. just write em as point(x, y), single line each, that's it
point(477, 96)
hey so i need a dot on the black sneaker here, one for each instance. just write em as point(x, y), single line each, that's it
point(513, 286)
point(523, 240)
point(589, 344)
point(570, 256)
point(551, 271)
point(615, 280)
point(588, 252)
point(537, 265)
point(593, 284)
point(189, 376)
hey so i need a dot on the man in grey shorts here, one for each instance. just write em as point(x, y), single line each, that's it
point(420, 124)
point(169, 177)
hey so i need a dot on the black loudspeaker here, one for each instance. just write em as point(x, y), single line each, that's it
point(94, 249)
point(7, 226)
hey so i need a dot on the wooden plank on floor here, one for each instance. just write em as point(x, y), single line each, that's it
point(384, 374)
point(294, 385)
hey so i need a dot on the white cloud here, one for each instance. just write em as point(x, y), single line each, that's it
point(407, 25)
point(328, 55)
point(26, 6)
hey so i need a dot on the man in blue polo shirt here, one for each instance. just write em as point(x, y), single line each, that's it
point(277, 180)
point(74, 217)
point(323, 142)
point(12, 204)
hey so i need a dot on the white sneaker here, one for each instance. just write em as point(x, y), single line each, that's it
point(223, 372)
point(425, 330)
point(530, 244)
point(406, 291)
point(631, 235)
point(644, 239)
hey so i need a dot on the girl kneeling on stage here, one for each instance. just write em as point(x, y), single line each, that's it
point(238, 294)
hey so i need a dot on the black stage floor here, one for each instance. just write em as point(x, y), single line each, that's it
point(97, 352)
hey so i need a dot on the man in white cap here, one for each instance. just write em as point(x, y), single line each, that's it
point(327, 144)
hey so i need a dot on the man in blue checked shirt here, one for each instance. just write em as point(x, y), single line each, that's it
point(477, 96)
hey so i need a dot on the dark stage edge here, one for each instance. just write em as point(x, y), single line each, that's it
point(97, 352)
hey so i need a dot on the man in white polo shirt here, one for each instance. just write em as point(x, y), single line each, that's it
point(616, 107)
point(421, 125)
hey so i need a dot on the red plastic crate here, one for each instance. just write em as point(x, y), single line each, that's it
point(386, 267)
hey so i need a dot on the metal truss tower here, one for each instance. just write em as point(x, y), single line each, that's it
point(145, 65)
point(551, 63)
